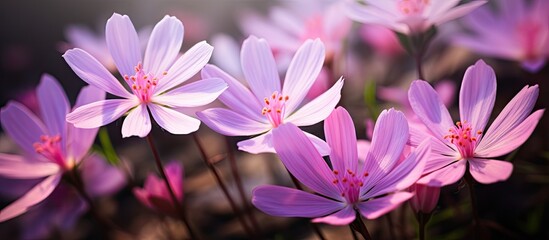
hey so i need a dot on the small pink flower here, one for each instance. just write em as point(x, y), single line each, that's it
point(268, 104)
point(409, 16)
point(425, 198)
point(52, 146)
point(467, 143)
point(155, 193)
point(374, 189)
point(382, 40)
point(154, 80)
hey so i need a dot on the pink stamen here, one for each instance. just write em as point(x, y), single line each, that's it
point(412, 7)
point(464, 138)
point(142, 83)
point(274, 108)
point(50, 148)
point(349, 184)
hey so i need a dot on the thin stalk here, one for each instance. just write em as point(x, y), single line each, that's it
point(419, 67)
point(176, 203)
point(355, 237)
point(359, 226)
point(391, 226)
point(474, 209)
point(221, 184)
point(422, 219)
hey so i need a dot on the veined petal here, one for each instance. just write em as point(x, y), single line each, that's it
point(31, 198)
point(488, 171)
point(477, 95)
point(164, 44)
point(14, 166)
point(231, 123)
point(321, 146)
point(185, 67)
point(444, 176)
point(93, 73)
point(259, 144)
point(374, 208)
point(100, 113)
point(341, 217)
point(137, 123)
point(341, 137)
point(289, 202)
point(440, 7)
point(173, 121)
point(195, 94)
point(303, 160)
point(54, 106)
point(22, 126)
point(302, 72)
point(259, 67)
point(123, 43)
point(226, 55)
point(319, 108)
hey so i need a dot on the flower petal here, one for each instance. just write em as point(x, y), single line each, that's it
point(259, 144)
point(444, 176)
point(164, 44)
point(31, 198)
point(231, 123)
point(14, 166)
point(100, 113)
point(488, 171)
point(302, 72)
point(22, 126)
point(341, 217)
point(185, 67)
point(477, 95)
point(93, 73)
point(54, 106)
point(289, 202)
point(456, 12)
point(123, 43)
point(137, 123)
point(173, 121)
point(259, 67)
point(374, 208)
point(341, 137)
point(195, 94)
point(319, 108)
point(101, 178)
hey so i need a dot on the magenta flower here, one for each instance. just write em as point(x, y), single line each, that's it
point(155, 194)
point(269, 105)
point(51, 146)
point(375, 189)
point(467, 143)
point(425, 198)
point(154, 80)
point(518, 31)
point(409, 16)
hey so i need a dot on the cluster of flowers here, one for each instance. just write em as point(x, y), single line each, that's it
point(405, 160)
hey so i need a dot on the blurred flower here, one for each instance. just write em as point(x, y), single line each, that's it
point(408, 16)
point(154, 80)
point(425, 198)
point(155, 193)
point(381, 39)
point(51, 145)
point(519, 31)
point(268, 105)
point(374, 190)
point(466, 142)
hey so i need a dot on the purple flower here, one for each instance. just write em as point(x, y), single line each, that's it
point(373, 190)
point(155, 193)
point(269, 105)
point(425, 198)
point(154, 80)
point(467, 142)
point(51, 145)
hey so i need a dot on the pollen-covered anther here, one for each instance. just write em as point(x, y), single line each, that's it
point(274, 108)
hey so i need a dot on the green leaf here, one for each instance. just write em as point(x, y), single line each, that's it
point(108, 149)
point(370, 93)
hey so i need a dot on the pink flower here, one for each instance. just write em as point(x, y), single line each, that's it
point(51, 145)
point(518, 31)
point(382, 40)
point(269, 105)
point(409, 16)
point(375, 189)
point(467, 143)
point(425, 198)
point(154, 80)
point(155, 193)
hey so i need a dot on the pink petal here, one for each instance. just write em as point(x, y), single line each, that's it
point(100, 113)
point(341, 217)
point(318, 109)
point(99, 177)
point(231, 123)
point(123, 43)
point(490, 171)
point(13, 166)
point(137, 123)
point(374, 208)
point(419, 132)
point(31, 198)
point(321, 146)
point(445, 176)
point(93, 73)
point(259, 67)
point(288, 202)
point(303, 160)
point(477, 95)
point(22, 126)
point(441, 7)
point(302, 72)
point(534, 65)
point(195, 94)
point(259, 144)
point(54, 106)
point(164, 44)
point(190, 63)
point(173, 121)
point(226, 55)
point(363, 146)
point(255, 25)
point(457, 12)
point(174, 172)
point(341, 137)
point(237, 97)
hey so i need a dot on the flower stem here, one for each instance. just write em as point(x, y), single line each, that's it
point(176, 203)
point(422, 219)
point(221, 184)
point(355, 237)
point(470, 184)
point(391, 226)
point(360, 227)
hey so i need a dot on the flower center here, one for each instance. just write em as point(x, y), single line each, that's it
point(464, 138)
point(349, 184)
point(143, 84)
point(274, 108)
point(50, 148)
point(412, 7)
